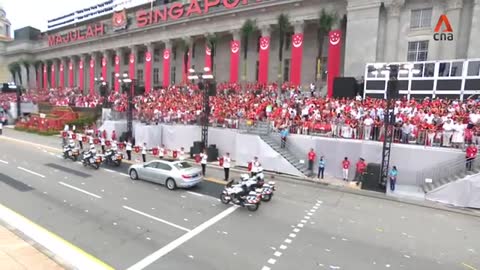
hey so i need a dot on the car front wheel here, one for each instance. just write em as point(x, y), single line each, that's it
point(171, 185)
point(133, 175)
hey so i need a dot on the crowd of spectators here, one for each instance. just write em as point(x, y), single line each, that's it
point(432, 122)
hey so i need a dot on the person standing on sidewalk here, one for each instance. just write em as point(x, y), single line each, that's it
point(471, 154)
point(360, 170)
point(144, 152)
point(102, 144)
point(283, 135)
point(128, 148)
point(345, 168)
point(204, 157)
point(311, 159)
point(226, 165)
point(321, 167)
point(255, 166)
point(161, 151)
point(1, 127)
point(393, 178)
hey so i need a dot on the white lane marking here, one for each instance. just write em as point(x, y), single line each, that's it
point(72, 255)
point(124, 174)
point(265, 268)
point(300, 225)
point(292, 235)
point(272, 261)
point(182, 239)
point(296, 230)
point(80, 190)
point(156, 218)
point(277, 254)
point(3, 161)
point(288, 241)
point(194, 193)
point(108, 170)
point(283, 247)
point(31, 172)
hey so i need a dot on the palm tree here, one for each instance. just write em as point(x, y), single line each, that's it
point(14, 68)
point(248, 28)
point(325, 23)
point(212, 40)
point(283, 25)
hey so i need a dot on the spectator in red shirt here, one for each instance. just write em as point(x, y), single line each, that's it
point(471, 154)
point(360, 170)
point(345, 167)
point(311, 159)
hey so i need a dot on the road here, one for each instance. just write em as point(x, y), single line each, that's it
point(138, 225)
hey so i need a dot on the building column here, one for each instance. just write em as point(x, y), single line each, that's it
point(82, 73)
point(449, 47)
point(23, 73)
point(363, 17)
point(393, 28)
point(474, 46)
point(117, 69)
point(61, 73)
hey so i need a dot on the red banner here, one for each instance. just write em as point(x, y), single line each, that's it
point(208, 57)
point(117, 71)
point(62, 76)
point(263, 57)
point(334, 55)
point(296, 62)
point(131, 66)
point(92, 76)
point(166, 68)
point(45, 77)
point(70, 74)
point(234, 60)
point(148, 72)
point(53, 78)
point(104, 68)
point(80, 75)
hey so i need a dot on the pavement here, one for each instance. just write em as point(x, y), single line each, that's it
point(100, 219)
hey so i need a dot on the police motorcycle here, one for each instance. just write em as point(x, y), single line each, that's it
point(70, 151)
point(113, 157)
point(90, 158)
point(258, 182)
point(239, 194)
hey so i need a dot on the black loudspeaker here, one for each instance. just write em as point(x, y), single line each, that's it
point(345, 87)
point(372, 177)
point(212, 153)
point(212, 89)
point(198, 145)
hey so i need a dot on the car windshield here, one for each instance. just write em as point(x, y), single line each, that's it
point(183, 165)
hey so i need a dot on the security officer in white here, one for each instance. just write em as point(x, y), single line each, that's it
point(161, 151)
point(255, 166)
point(204, 160)
point(102, 144)
point(128, 148)
point(226, 165)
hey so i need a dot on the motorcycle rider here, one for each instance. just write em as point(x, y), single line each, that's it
point(91, 153)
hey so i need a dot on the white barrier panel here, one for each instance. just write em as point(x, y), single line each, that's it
point(178, 136)
point(151, 135)
point(462, 193)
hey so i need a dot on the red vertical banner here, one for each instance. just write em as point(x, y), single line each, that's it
point(117, 71)
point(92, 76)
point(62, 76)
point(334, 55)
point(70, 74)
point(81, 80)
point(53, 77)
point(148, 72)
point(45, 77)
point(296, 62)
point(234, 60)
point(208, 57)
point(131, 66)
point(263, 59)
point(166, 68)
point(104, 68)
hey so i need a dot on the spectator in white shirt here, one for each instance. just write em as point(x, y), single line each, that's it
point(447, 132)
point(367, 129)
point(203, 162)
point(226, 165)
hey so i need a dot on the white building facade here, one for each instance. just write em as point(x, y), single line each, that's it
point(373, 31)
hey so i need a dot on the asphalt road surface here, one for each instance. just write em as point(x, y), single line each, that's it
point(139, 225)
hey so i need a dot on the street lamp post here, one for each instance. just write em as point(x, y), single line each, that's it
point(202, 78)
point(128, 86)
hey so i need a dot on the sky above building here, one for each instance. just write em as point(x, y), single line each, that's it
point(36, 13)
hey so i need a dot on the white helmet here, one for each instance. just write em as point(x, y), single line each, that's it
point(71, 141)
point(244, 176)
point(92, 146)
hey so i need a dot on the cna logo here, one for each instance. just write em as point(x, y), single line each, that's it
point(443, 30)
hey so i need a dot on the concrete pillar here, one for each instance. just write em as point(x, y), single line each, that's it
point(474, 47)
point(134, 51)
point(86, 66)
point(363, 17)
point(23, 72)
point(453, 10)
point(393, 29)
